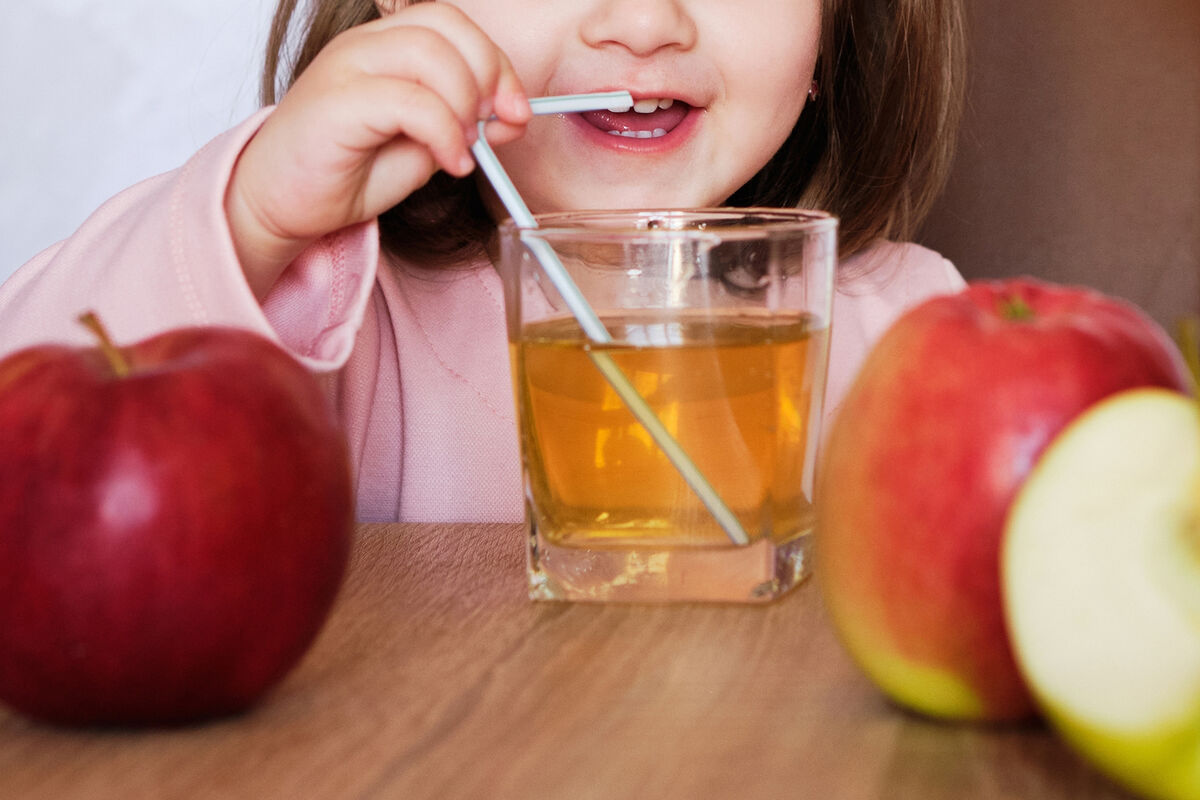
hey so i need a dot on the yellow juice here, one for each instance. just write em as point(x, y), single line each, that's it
point(735, 389)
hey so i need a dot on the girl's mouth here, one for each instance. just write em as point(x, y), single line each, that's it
point(650, 118)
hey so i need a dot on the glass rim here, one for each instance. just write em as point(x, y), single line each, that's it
point(767, 223)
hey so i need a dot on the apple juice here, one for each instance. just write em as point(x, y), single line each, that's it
point(736, 390)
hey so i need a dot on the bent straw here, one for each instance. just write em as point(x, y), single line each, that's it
point(595, 330)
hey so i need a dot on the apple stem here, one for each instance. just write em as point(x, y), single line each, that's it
point(116, 359)
point(1015, 308)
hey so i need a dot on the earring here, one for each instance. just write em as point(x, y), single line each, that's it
point(814, 91)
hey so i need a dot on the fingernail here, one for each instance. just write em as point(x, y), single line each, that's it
point(466, 164)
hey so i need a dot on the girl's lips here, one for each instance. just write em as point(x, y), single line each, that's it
point(631, 124)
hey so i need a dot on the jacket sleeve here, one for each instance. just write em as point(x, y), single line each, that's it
point(160, 256)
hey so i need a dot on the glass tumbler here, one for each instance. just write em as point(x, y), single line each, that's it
point(716, 322)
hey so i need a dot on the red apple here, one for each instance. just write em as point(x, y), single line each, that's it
point(175, 521)
point(944, 421)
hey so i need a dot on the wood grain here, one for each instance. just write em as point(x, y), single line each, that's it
point(436, 678)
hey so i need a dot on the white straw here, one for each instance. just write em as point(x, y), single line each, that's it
point(574, 103)
point(486, 158)
point(595, 330)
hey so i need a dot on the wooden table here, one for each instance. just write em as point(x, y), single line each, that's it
point(436, 678)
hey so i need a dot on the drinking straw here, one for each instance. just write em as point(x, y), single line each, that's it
point(572, 103)
point(595, 330)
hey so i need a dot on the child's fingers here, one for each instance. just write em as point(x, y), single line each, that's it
point(379, 110)
point(429, 60)
point(511, 105)
point(488, 64)
point(500, 132)
point(401, 167)
point(404, 109)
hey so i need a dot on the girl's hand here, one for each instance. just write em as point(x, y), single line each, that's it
point(379, 110)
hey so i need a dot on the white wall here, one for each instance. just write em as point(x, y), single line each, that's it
point(95, 96)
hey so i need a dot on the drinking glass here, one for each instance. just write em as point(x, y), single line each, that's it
point(716, 321)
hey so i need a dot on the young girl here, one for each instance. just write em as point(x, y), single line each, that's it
point(347, 224)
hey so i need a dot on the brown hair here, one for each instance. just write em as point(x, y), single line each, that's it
point(874, 148)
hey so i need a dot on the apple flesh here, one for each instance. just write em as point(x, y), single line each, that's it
point(947, 416)
point(175, 521)
point(1101, 572)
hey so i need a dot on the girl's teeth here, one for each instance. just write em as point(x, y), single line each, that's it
point(647, 106)
point(654, 134)
point(652, 104)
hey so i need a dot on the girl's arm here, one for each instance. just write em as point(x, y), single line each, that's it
point(272, 225)
point(160, 255)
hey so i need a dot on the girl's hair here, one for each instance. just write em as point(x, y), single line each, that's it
point(874, 148)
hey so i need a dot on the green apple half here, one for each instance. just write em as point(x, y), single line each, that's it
point(1101, 584)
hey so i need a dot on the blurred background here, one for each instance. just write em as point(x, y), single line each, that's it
point(1079, 160)
point(97, 96)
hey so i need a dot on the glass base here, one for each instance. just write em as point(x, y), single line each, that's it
point(757, 573)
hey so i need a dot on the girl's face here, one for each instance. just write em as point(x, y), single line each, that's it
point(727, 81)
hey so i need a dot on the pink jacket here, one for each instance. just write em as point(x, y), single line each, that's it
point(416, 359)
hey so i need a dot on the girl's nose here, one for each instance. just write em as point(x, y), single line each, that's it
point(640, 26)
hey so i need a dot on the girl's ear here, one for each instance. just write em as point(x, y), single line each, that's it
point(386, 7)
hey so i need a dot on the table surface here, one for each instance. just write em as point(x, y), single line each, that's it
point(435, 677)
